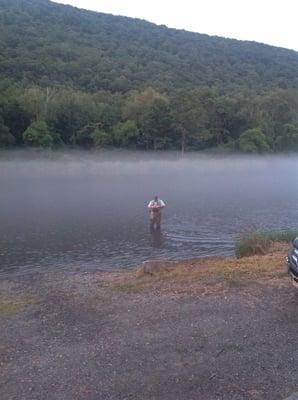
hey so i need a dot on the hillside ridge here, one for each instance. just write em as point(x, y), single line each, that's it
point(75, 77)
point(94, 51)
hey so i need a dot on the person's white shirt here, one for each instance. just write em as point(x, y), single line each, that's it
point(158, 203)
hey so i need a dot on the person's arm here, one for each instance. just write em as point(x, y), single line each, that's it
point(150, 204)
point(162, 204)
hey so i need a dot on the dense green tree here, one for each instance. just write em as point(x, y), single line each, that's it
point(158, 126)
point(38, 135)
point(83, 137)
point(253, 141)
point(70, 111)
point(288, 138)
point(189, 117)
point(34, 100)
point(275, 109)
point(126, 134)
point(6, 138)
point(16, 118)
point(101, 138)
point(223, 111)
point(112, 113)
point(139, 103)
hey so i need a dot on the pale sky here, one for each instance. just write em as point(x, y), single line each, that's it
point(272, 22)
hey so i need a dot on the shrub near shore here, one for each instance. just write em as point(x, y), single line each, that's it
point(260, 242)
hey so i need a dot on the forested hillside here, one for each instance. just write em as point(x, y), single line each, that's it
point(69, 76)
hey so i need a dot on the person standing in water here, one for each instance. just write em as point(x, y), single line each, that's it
point(155, 206)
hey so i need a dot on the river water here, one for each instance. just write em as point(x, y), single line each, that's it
point(80, 210)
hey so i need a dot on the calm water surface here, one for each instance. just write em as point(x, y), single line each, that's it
point(89, 211)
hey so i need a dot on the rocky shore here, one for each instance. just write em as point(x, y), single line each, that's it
point(212, 328)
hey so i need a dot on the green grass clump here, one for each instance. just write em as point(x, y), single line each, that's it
point(131, 287)
point(10, 306)
point(254, 243)
point(281, 236)
point(7, 306)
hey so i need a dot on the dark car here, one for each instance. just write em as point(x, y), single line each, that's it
point(292, 262)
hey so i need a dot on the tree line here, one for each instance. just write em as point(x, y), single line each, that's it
point(149, 119)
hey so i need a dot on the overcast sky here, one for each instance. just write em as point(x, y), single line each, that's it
point(268, 21)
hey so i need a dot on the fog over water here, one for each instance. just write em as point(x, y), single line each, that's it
point(76, 209)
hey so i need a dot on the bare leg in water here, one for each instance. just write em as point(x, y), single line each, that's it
point(155, 220)
point(158, 221)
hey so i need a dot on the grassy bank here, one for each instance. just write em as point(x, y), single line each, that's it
point(260, 256)
point(253, 243)
point(206, 275)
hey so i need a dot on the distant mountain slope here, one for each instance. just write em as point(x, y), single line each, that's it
point(51, 44)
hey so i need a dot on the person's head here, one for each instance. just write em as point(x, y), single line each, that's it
point(155, 198)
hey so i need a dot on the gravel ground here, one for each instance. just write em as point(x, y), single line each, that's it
point(76, 336)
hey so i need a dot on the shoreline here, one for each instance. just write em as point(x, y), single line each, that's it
point(192, 273)
point(195, 272)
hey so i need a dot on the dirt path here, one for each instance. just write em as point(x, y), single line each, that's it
point(181, 334)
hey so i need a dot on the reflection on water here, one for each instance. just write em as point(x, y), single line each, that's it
point(157, 237)
point(75, 209)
